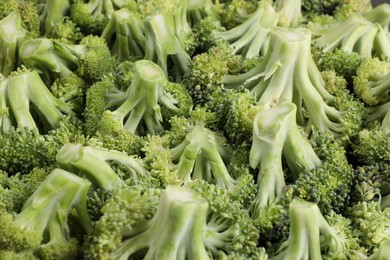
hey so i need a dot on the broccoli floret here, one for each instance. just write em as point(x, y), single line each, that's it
point(52, 15)
point(41, 226)
point(12, 34)
point(288, 73)
point(235, 12)
point(354, 33)
point(371, 223)
point(125, 34)
point(23, 91)
point(125, 212)
point(147, 104)
point(163, 46)
point(251, 37)
point(343, 63)
point(312, 235)
point(16, 189)
point(347, 8)
point(91, 15)
point(372, 81)
point(66, 31)
point(276, 135)
point(105, 168)
point(91, 58)
point(28, 12)
point(330, 185)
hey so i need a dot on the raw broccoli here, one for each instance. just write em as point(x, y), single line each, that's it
point(163, 45)
point(12, 35)
point(146, 105)
point(23, 91)
point(125, 34)
point(251, 38)
point(313, 235)
point(276, 135)
point(371, 223)
point(41, 226)
point(28, 12)
point(354, 33)
point(91, 58)
point(105, 168)
point(372, 81)
point(294, 77)
point(53, 14)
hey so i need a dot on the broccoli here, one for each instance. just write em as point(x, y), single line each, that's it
point(371, 223)
point(125, 34)
point(41, 226)
point(91, 58)
point(372, 81)
point(147, 103)
point(380, 15)
point(28, 13)
point(105, 168)
point(52, 15)
point(276, 134)
point(354, 33)
point(313, 235)
point(12, 35)
point(251, 37)
point(295, 77)
point(23, 91)
point(163, 46)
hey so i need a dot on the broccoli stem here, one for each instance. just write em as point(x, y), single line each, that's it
point(91, 162)
point(143, 96)
point(174, 232)
point(162, 43)
point(48, 207)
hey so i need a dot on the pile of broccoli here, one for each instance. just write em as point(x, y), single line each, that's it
point(178, 129)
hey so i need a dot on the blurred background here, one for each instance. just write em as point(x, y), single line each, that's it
point(378, 2)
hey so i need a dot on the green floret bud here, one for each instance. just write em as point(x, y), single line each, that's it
point(349, 7)
point(28, 12)
point(66, 31)
point(236, 12)
point(184, 213)
point(343, 63)
point(371, 223)
point(330, 185)
point(371, 146)
point(12, 34)
point(372, 81)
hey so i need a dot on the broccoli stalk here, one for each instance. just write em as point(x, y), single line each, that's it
point(251, 37)
point(96, 164)
point(125, 34)
point(162, 43)
point(52, 15)
point(23, 91)
point(379, 15)
point(12, 34)
point(202, 156)
point(181, 213)
point(276, 134)
point(354, 34)
point(42, 223)
point(289, 12)
point(288, 73)
point(149, 97)
point(311, 233)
